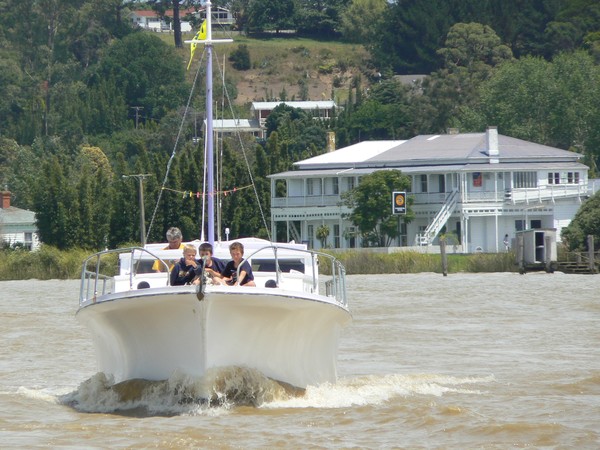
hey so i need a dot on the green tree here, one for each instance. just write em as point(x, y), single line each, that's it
point(322, 234)
point(240, 58)
point(56, 206)
point(371, 206)
point(319, 17)
point(361, 20)
point(147, 73)
point(271, 15)
point(586, 222)
point(470, 54)
point(554, 103)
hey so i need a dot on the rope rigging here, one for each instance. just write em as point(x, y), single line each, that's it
point(218, 192)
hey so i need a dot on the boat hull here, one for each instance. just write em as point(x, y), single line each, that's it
point(153, 333)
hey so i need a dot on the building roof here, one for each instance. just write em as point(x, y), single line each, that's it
point(352, 154)
point(324, 104)
point(16, 216)
point(430, 152)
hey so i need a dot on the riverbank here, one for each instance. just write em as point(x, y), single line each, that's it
point(364, 262)
point(49, 263)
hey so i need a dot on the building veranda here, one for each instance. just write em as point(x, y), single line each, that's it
point(477, 187)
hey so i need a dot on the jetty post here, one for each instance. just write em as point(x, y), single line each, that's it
point(590, 245)
point(444, 257)
point(520, 253)
point(548, 254)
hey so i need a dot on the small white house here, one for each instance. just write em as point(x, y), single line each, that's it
point(478, 186)
point(324, 109)
point(17, 226)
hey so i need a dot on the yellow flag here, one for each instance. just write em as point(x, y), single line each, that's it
point(200, 36)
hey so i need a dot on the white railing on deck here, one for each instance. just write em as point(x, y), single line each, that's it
point(335, 287)
point(94, 283)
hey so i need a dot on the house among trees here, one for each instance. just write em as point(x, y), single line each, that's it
point(478, 187)
point(229, 127)
point(17, 226)
point(324, 109)
point(150, 20)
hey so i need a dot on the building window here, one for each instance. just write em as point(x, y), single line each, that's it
point(553, 177)
point(336, 236)
point(477, 179)
point(525, 180)
point(519, 225)
point(335, 186)
point(28, 241)
point(573, 177)
point(442, 183)
point(423, 183)
point(351, 235)
point(350, 183)
point(536, 224)
point(310, 230)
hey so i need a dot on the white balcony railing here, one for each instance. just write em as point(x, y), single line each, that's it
point(312, 200)
point(513, 196)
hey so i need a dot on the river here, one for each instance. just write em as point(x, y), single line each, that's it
point(489, 361)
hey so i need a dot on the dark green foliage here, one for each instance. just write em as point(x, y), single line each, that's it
point(371, 205)
point(240, 58)
point(146, 72)
point(586, 222)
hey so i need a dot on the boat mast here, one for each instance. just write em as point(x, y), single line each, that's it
point(210, 168)
point(209, 129)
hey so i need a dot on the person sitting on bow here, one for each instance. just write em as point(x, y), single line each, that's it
point(174, 238)
point(212, 266)
point(229, 274)
point(184, 270)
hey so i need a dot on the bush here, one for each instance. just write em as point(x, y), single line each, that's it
point(240, 58)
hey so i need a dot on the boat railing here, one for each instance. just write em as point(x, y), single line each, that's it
point(94, 283)
point(334, 287)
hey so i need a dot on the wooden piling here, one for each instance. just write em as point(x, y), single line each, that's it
point(548, 254)
point(591, 262)
point(444, 257)
point(521, 253)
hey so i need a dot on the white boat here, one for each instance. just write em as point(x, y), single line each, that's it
point(143, 328)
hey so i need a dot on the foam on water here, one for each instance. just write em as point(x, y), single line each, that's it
point(377, 389)
point(215, 393)
point(226, 388)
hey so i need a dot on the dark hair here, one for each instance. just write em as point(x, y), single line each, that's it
point(206, 247)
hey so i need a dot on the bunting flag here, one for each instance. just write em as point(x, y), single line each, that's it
point(200, 36)
point(192, 194)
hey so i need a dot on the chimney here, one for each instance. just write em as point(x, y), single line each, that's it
point(491, 138)
point(4, 199)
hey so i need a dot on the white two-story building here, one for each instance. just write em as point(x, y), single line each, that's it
point(479, 187)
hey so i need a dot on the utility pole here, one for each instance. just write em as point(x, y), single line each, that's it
point(137, 113)
point(140, 177)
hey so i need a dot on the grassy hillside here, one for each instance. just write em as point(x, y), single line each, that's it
point(326, 68)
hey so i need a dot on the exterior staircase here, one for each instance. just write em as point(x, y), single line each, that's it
point(294, 232)
point(434, 228)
